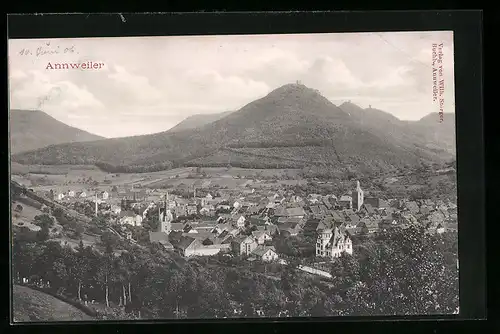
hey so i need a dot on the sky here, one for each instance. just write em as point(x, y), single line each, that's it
point(150, 84)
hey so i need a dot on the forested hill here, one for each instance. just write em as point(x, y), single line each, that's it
point(292, 121)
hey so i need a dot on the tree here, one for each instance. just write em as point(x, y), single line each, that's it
point(81, 269)
point(109, 240)
point(79, 230)
point(407, 275)
point(43, 234)
point(44, 220)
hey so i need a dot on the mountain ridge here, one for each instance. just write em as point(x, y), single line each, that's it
point(34, 129)
point(198, 120)
point(290, 116)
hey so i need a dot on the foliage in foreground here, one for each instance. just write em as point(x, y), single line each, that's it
point(401, 272)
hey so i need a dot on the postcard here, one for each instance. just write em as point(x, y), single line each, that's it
point(233, 176)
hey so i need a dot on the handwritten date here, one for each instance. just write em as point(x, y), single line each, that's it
point(48, 49)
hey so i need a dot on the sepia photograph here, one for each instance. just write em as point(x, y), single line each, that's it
point(233, 176)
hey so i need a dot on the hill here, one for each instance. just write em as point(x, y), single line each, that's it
point(431, 130)
point(31, 305)
point(292, 116)
point(426, 133)
point(34, 129)
point(196, 121)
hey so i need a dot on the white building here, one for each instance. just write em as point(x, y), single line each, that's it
point(332, 243)
point(105, 195)
point(130, 218)
point(357, 197)
point(261, 237)
point(241, 222)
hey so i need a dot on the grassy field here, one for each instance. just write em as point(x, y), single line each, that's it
point(26, 217)
point(31, 305)
point(63, 178)
point(81, 177)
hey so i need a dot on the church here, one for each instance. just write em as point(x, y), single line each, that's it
point(164, 227)
point(166, 216)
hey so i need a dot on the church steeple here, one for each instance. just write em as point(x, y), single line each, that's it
point(165, 218)
point(357, 197)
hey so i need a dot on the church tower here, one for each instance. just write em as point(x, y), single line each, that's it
point(166, 217)
point(357, 197)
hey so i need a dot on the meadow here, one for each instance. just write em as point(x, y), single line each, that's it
point(31, 305)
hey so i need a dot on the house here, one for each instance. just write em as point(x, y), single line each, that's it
point(254, 210)
point(116, 209)
point(291, 229)
point(337, 217)
point(345, 201)
point(240, 222)
point(295, 212)
point(353, 219)
point(387, 223)
point(315, 210)
point(60, 196)
point(256, 221)
point(376, 202)
point(71, 193)
point(185, 245)
point(326, 202)
point(313, 226)
point(130, 218)
point(269, 228)
point(207, 210)
point(219, 228)
point(332, 243)
point(265, 253)
point(243, 245)
point(180, 210)
point(81, 194)
point(367, 209)
point(177, 227)
point(105, 195)
point(192, 209)
point(436, 227)
point(367, 227)
point(261, 237)
point(223, 218)
point(223, 207)
point(189, 246)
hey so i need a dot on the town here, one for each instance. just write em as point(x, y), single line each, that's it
point(246, 222)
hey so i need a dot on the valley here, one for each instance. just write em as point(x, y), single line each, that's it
point(237, 213)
